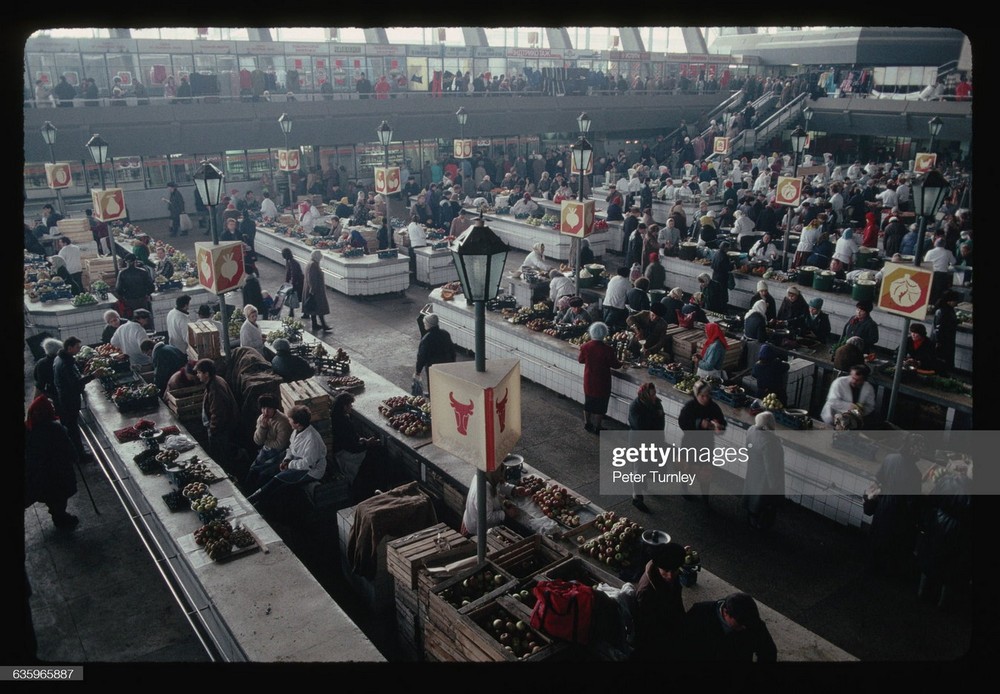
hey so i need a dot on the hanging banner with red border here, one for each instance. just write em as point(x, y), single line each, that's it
point(58, 175)
point(108, 204)
point(924, 162)
point(788, 191)
point(576, 218)
point(720, 145)
point(905, 290)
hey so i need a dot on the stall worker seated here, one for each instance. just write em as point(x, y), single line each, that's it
point(817, 323)
point(920, 351)
point(650, 327)
point(575, 313)
point(272, 433)
point(793, 310)
point(290, 367)
point(304, 460)
point(771, 373)
point(360, 458)
point(851, 396)
point(498, 509)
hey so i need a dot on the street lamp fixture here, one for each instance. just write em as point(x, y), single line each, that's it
point(49, 135)
point(807, 115)
point(583, 156)
point(384, 133)
point(798, 138)
point(286, 128)
point(99, 152)
point(583, 123)
point(286, 124)
point(934, 126)
point(462, 115)
point(209, 180)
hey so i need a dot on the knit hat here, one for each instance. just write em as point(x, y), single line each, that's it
point(761, 286)
point(794, 290)
point(865, 306)
point(816, 303)
point(430, 321)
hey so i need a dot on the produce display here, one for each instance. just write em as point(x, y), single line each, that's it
point(658, 359)
point(194, 489)
point(390, 406)
point(772, 402)
point(147, 462)
point(176, 501)
point(205, 502)
point(686, 385)
point(345, 382)
point(411, 423)
point(558, 503)
point(525, 595)
point(166, 457)
point(132, 433)
point(528, 485)
point(513, 633)
point(216, 537)
point(617, 545)
point(126, 395)
point(472, 588)
point(539, 325)
point(84, 299)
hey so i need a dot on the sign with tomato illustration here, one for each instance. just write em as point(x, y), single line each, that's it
point(288, 160)
point(387, 180)
point(108, 204)
point(463, 149)
point(924, 162)
point(720, 145)
point(788, 191)
point(58, 175)
point(905, 290)
point(220, 267)
point(576, 218)
point(476, 416)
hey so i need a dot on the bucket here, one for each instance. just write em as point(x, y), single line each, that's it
point(823, 281)
point(865, 257)
point(688, 251)
point(864, 290)
point(806, 274)
point(656, 295)
point(513, 466)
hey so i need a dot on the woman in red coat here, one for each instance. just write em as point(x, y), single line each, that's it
point(598, 358)
point(870, 237)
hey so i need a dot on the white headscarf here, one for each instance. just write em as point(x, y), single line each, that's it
point(759, 306)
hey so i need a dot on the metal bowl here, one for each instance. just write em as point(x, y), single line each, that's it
point(796, 413)
point(151, 434)
point(655, 537)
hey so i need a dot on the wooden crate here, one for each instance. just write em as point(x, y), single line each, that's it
point(578, 569)
point(474, 636)
point(308, 394)
point(500, 536)
point(685, 341)
point(77, 230)
point(203, 340)
point(530, 556)
point(407, 554)
point(734, 353)
point(408, 627)
point(439, 647)
point(444, 615)
point(185, 403)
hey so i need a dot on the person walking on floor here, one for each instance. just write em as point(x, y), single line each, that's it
point(49, 455)
point(314, 301)
point(294, 277)
point(69, 386)
point(645, 413)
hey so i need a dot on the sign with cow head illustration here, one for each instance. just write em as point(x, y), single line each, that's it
point(476, 416)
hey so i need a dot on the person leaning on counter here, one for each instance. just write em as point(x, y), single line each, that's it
point(497, 509)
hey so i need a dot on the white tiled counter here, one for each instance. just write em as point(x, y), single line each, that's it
point(362, 276)
point(61, 319)
point(264, 607)
point(523, 236)
point(434, 267)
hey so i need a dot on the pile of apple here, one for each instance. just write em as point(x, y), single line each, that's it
point(514, 634)
point(472, 588)
point(557, 502)
point(528, 485)
point(525, 595)
point(617, 543)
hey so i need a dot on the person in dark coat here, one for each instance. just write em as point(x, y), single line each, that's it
point(49, 456)
point(361, 459)
point(771, 373)
point(755, 322)
point(435, 347)
point(295, 277)
point(290, 367)
point(764, 484)
point(586, 253)
point(920, 350)
point(862, 325)
point(729, 629)
point(252, 293)
point(167, 360)
point(849, 354)
point(822, 253)
point(944, 547)
point(659, 616)
point(69, 385)
point(700, 419)
point(722, 268)
point(44, 376)
point(895, 230)
point(674, 304)
point(220, 414)
point(945, 329)
point(894, 513)
point(655, 272)
point(645, 413)
point(314, 301)
point(817, 323)
point(134, 286)
point(793, 310)
point(637, 298)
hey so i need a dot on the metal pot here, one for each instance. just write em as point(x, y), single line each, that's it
point(688, 251)
point(513, 466)
point(824, 281)
point(863, 290)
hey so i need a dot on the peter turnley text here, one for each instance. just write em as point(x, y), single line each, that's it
point(650, 453)
point(653, 477)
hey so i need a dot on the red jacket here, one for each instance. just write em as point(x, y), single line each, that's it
point(870, 237)
point(598, 358)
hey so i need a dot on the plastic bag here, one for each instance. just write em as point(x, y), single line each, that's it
point(178, 442)
point(185, 222)
point(417, 387)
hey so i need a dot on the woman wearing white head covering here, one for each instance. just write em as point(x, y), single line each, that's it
point(743, 226)
point(755, 321)
point(250, 334)
point(536, 259)
point(764, 484)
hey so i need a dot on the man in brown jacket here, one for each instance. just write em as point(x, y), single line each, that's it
point(219, 414)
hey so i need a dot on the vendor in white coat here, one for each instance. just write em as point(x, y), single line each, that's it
point(496, 510)
point(304, 461)
point(524, 206)
point(851, 392)
point(536, 259)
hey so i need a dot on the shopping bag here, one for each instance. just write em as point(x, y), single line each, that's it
point(185, 222)
point(417, 387)
point(563, 610)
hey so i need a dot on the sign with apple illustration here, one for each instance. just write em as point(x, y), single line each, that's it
point(58, 175)
point(476, 416)
point(905, 290)
point(220, 268)
point(576, 218)
point(924, 162)
point(463, 149)
point(108, 204)
point(720, 145)
point(288, 160)
point(788, 190)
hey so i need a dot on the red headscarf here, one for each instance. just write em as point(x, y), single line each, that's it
point(714, 333)
point(870, 237)
point(40, 411)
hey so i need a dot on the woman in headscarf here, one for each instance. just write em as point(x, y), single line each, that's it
point(59, 270)
point(314, 302)
point(674, 304)
point(586, 253)
point(764, 484)
point(598, 358)
point(700, 419)
point(361, 211)
point(771, 373)
point(713, 352)
point(645, 413)
point(843, 252)
point(869, 238)
point(49, 455)
point(536, 259)
point(755, 321)
point(894, 509)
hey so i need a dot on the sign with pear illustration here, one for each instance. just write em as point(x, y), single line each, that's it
point(463, 149)
point(108, 204)
point(220, 268)
point(905, 290)
point(576, 218)
point(288, 160)
point(788, 190)
point(58, 175)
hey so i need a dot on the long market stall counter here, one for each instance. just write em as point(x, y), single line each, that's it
point(523, 236)
point(365, 275)
point(813, 469)
point(262, 607)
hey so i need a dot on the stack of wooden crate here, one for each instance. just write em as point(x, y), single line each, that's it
point(186, 403)
point(734, 353)
point(98, 269)
point(203, 340)
point(77, 230)
point(312, 396)
point(685, 345)
point(407, 559)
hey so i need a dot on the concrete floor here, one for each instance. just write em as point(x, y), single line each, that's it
point(98, 599)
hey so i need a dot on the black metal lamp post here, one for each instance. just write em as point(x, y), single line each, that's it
point(480, 256)
point(99, 152)
point(798, 138)
point(49, 135)
point(286, 128)
point(934, 126)
point(209, 180)
point(463, 118)
point(583, 154)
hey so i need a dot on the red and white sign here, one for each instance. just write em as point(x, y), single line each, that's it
point(387, 180)
point(476, 416)
point(220, 267)
point(288, 159)
point(463, 148)
point(905, 290)
point(58, 175)
point(108, 204)
point(720, 145)
point(576, 218)
point(788, 190)
point(924, 162)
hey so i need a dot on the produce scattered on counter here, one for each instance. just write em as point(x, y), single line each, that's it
point(618, 543)
point(194, 489)
point(558, 503)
